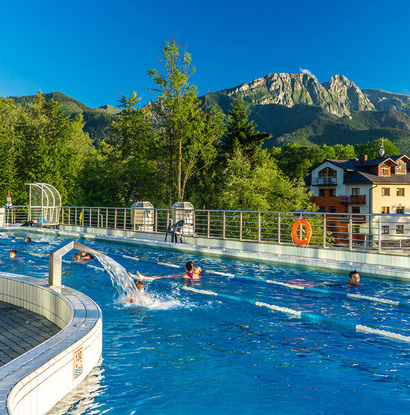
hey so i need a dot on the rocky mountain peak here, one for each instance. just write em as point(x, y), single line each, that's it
point(339, 95)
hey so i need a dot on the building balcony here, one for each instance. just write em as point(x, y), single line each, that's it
point(354, 199)
point(325, 181)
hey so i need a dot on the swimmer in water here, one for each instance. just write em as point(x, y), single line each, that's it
point(191, 273)
point(12, 253)
point(354, 278)
point(140, 287)
point(86, 256)
point(27, 239)
point(76, 257)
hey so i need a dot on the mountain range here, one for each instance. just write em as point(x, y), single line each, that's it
point(294, 108)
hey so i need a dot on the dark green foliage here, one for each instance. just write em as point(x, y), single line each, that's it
point(97, 120)
point(241, 133)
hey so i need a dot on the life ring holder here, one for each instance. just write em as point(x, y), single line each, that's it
point(295, 228)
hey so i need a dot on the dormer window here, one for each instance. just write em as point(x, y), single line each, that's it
point(384, 171)
point(327, 176)
point(401, 167)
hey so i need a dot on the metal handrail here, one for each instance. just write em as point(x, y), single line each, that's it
point(353, 231)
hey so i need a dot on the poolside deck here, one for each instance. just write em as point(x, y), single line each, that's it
point(21, 330)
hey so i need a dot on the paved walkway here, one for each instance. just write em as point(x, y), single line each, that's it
point(21, 330)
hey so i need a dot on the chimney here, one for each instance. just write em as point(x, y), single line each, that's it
point(363, 159)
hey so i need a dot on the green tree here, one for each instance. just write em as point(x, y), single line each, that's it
point(372, 148)
point(52, 147)
point(263, 187)
point(187, 135)
point(241, 133)
point(9, 144)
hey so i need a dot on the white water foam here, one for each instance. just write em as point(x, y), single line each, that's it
point(121, 280)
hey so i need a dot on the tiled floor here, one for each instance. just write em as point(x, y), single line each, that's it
point(21, 330)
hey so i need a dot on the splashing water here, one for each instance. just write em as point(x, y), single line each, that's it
point(121, 280)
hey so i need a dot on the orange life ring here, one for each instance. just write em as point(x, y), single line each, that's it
point(299, 223)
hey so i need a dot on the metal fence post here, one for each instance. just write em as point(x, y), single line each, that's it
point(106, 218)
point(279, 230)
point(75, 216)
point(380, 235)
point(259, 227)
point(98, 217)
point(125, 219)
point(209, 225)
point(350, 233)
point(69, 216)
point(240, 226)
point(324, 231)
point(223, 226)
point(115, 218)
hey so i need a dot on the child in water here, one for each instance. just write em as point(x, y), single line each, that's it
point(354, 278)
point(140, 287)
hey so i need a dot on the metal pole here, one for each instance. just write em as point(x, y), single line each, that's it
point(75, 216)
point(98, 217)
point(209, 225)
point(106, 218)
point(240, 226)
point(350, 233)
point(380, 235)
point(324, 231)
point(223, 226)
point(91, 217)
point(115, 218)
point(125, 219)
point(279, 228)
point(259, 227)
point(156, 220)
point(69, 215)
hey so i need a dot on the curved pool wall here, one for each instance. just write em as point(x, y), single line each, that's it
point(391, 266)
point(35, 381)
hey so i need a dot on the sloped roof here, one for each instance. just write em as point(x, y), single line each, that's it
point(354, 171)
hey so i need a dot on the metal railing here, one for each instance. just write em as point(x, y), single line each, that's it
point(370, 232)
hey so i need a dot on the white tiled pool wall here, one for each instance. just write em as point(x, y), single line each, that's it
point(367, 263)
point(34, 382)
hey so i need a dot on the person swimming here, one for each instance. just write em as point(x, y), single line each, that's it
point(191, 273)
point(86, 256)
point(354, 278)
point(12, 253)
point(140, 287)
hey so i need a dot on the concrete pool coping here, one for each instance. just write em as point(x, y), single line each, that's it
point(35, 381)
point(366, 263)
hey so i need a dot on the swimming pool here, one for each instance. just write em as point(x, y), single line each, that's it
point(194, 352)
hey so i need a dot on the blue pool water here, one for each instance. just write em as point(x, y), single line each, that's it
point(188, 352)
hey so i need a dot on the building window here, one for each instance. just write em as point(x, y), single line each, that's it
point(322, 209)
point(327, 176)
point(355, 191)
point(332, 209)
point(385, 191)
point(355, 229)
point(321, 192)
point(400, 210)
point(385, 229)
point(384, 171)
point(386, 210)
point(332, 192)
point(400, 229)
point(401, 168)
point(400, 191)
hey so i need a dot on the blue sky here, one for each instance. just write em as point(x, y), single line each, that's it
point(94, 51)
